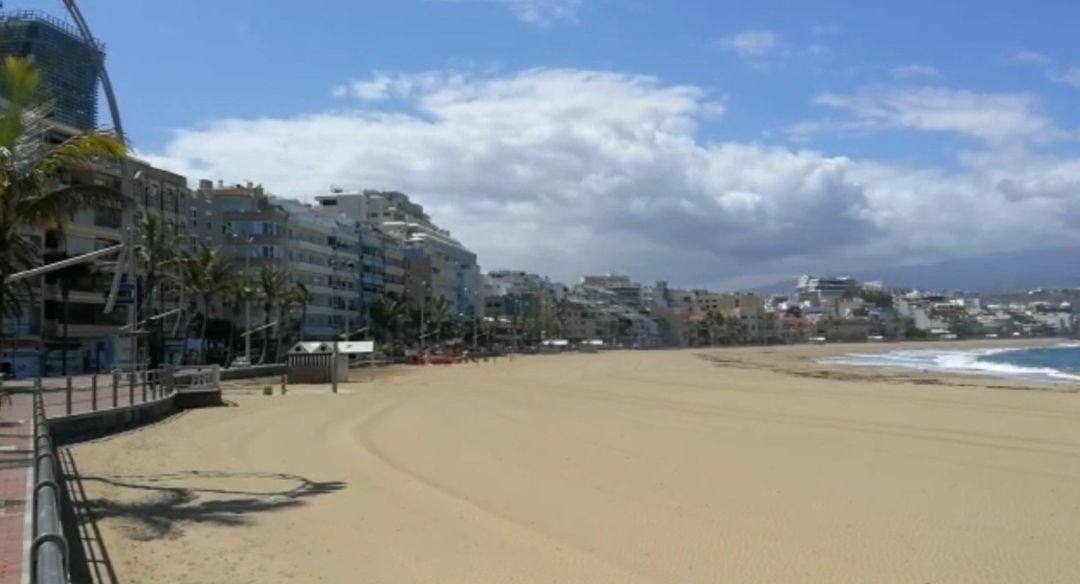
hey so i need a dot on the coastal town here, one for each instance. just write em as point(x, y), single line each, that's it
point(721, 350)
point(374, 264)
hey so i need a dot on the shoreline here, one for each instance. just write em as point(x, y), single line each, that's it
point(963, 358)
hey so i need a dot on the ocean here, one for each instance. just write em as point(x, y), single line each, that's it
point(1057, 363)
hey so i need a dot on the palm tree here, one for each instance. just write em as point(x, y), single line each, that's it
point(387, 314)
point(154, 254)
point(236, 295)
point(299, 297)
point(382, 317)
point(204, 275)
point(272, 288)
point(714, 325)
point(156, 258)
point(302, 297)
point(439, 312)
point(42, 184)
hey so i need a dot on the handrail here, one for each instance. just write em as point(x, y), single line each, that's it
point(49, 549)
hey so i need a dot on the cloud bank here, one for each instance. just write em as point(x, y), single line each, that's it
point(567, 171)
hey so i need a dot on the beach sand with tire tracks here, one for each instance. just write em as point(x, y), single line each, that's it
point(713, 465)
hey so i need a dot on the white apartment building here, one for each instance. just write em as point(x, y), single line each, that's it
point(320, 250)
point(453, 275)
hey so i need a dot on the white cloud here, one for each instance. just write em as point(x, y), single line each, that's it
point(825, 29)
point(994, 117)
point(1029, 56)
point(566, 171)
point(1069, 76)
point(913, 70)
point(752, 44)
point(541, 12)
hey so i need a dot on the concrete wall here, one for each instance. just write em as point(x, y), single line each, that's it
point(90, 425)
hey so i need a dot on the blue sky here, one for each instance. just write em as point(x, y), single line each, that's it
point(856, 116)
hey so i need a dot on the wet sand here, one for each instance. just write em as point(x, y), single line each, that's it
point(726, 465)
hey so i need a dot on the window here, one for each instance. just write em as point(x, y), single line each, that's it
point(268, 251)
point(108, 217)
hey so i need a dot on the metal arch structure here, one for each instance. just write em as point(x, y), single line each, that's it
point(126, 178)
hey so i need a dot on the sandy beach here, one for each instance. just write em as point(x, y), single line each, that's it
point(689, 466)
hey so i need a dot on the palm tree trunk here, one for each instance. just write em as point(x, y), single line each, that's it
point(303, 319)
point(203, 345)
point(266, 333)
point(231, 341)
point(281, 335)
point(188, 315)
point(64, 294)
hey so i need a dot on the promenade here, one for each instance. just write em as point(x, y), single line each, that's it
point(16, 457)
point(87, 393)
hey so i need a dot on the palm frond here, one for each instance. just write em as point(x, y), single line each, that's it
point(20, 84)
point(58, 206)
point(80, 152)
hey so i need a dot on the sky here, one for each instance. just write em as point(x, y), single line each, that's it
point(706, 143)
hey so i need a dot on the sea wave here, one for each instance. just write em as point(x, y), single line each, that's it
point(967, 361)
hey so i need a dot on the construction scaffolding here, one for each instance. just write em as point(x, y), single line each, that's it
point(69, 65)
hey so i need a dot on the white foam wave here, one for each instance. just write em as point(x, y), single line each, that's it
point(956, 361)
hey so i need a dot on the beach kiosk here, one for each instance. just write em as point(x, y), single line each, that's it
point(324, 361)
point(591, 346)
point(553, 346)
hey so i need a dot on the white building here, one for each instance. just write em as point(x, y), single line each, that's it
point(453, 275)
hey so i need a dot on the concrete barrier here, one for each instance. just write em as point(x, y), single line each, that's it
point(273, 370)
point(90, 425)
point(172, 394)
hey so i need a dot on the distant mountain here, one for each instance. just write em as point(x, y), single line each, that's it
point(998, 272)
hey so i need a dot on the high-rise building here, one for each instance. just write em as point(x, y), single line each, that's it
point(825, 287)
point(453, 275)
point(69, 65)
point(627, 291)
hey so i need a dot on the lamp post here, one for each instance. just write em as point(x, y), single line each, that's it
point(125, 165)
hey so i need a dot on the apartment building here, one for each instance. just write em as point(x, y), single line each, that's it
point(825, 287)
point(626, 291)
point(79, 336)
point(452, 272)
point(324, 252)
point(521, 294)
point(726, 304)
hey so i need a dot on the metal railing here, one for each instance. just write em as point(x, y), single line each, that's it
point(49, 548)
point(66, 396)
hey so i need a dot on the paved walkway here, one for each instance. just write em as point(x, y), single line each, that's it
point(16, 449)
point(16, 457)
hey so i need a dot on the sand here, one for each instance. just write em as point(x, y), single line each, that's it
point(691, 466)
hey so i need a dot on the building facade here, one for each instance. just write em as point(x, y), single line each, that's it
point(444, 267)
point(68, 64)
point(324, 252)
